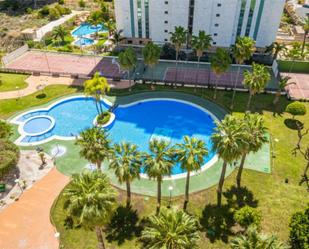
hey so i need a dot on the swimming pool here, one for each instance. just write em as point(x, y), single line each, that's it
point(137, 123)
point(84, 42)
point(88, 29)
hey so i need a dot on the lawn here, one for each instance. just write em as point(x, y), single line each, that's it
point(12, 82)
point(276, 199)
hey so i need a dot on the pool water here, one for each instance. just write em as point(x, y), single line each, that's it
point(137, 123)
point(84, 42)
point(88, 29)
point(37, 125)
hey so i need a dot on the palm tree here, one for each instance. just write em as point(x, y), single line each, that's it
point(60, 32)
point(283, 83)
point(158, 164)
point(172, 229)
point(96, 18)
point(220, 63)
point(275, 48)
point(254, 240)
point(306, 30)
point(128, 60)
point(97, 87)
point(95, 145)
point(89, 201)
point(117, 37)
point(178, 39)
point(226, 142)
point(242, 51)
point(191, 155)
point(126, 162)
point(111, 27)
point(200, 43)
point(256, 80)
point(151, 55)
point(253, 138)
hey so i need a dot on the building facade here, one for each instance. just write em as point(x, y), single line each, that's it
point(223, 19)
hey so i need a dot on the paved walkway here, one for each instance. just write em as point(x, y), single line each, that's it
point(25, 224)
point(36, 82)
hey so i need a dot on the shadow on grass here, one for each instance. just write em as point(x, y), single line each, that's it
point(293, 124)
point(240, 197)
point(124, 225)
point(41, 96)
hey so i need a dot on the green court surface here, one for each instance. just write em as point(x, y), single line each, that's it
point(71, 162)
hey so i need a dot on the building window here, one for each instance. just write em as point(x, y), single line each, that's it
point(166, 40)
point(217, 25)
point(217, 15)
point(166, 22)
point(166, 2)
point(214, 43)
point(215, 34)
point(166, 12)
point(241, 16)
point(219, 5)
point(146, 3)
point(250, 17)
point(166, 31)
point(139, 18)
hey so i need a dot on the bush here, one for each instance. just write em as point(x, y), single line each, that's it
point(82, 3)
point(103, 118)
point(67, 48)
point(29, 10)
point(296, 109)
point(248, 216)
point(5, 130)
point(54, 14)
point(9, 155)
point(299, 230)
point(44, 11)
point(61, 2)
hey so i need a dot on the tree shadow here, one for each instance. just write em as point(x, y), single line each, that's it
point(240, 197)
point(293, 124)
point(217, 222)
point(124, 225)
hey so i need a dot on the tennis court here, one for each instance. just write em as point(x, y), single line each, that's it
point(299, 90)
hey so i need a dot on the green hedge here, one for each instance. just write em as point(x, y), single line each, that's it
point(297, 66)
point(9, 156)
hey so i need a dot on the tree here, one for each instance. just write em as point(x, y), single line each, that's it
point(248, 216)
point(97, 87)
point(254, 136)
point(89, 201)
point(96, 18)
point(220, 63)
point(191, 155)
point(305, 25)
point(242, 51)
point(117, 37)
point(256, 80)
point(200, 43)
point(172, 229)
point(253, 240)
point(275, 48)
point(283, 83)
point(226, 142)
point(5, 130)
point(178, 39)
point(296, 109)
point(126, 162)
point(128, 60)
point(60, 32)
point(95, 145)
point(158, 163)
point(111, 27)
point(299, 229)
point(151, 55)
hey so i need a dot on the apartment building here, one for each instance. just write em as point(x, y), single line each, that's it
point(224, 19)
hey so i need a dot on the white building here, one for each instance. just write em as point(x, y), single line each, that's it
point(223, 19)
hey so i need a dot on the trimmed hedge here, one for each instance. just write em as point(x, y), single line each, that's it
point(9, 156)
point(296, 109)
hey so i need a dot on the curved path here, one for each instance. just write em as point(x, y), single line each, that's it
point(25, 224)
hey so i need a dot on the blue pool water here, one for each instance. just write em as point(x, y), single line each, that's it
point(137, 123)
point(37, 125)
point(84, 42)
point(87, 29)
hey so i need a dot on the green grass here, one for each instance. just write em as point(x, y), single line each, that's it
point(12, 82)
point(11, 106)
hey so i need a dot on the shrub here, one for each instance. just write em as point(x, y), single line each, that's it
point(299, 230)
point(103, 118)
point(82, 3)
point(54, 14)
point(248, 216)
point(9, 155)
point(61, 2)
point(296, 109)
point(5, 130)
point(29, 10)
point(44, 11)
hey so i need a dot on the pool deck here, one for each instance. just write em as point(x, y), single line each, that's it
point(71, 162)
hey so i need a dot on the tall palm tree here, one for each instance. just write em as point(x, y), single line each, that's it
point(111, 27)
point(253, 138)
point(226, 142)
point(117, 37)
point(242, 51)
point(253, 240)
point(256, 80)
point(178, 39)
point(97, 87)
point(151, 55)
point(128, 60)
point(200, 43)
point(220, 63)
point(158, 163)
point(191, 155)
point(126, 162)
point(172, 229)
point(283, 83)
point(94, 145)
point(305, 25)
point(59, 32)
point(275, 48)
point(89, 201)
